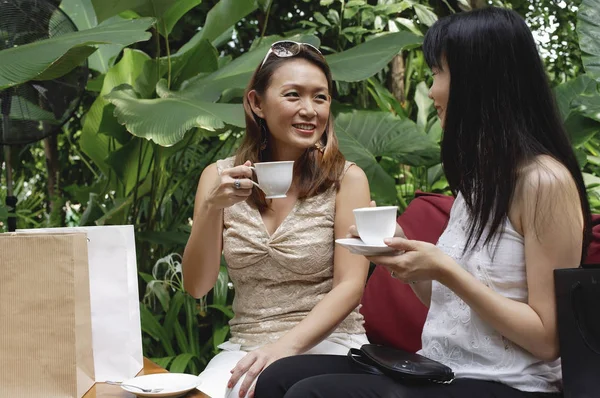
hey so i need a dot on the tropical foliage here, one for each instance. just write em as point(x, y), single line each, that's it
point(164, 100)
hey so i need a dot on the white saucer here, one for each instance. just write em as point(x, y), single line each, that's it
point(357, 246)
point(172, 384)
point(276, 196)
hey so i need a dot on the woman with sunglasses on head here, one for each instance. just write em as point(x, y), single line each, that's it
point(520, 212)
point(295, 291)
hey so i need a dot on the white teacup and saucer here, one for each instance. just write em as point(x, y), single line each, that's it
point(373, 224)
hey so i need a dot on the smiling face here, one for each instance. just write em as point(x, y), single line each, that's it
point(440, 90)
point(295, 107)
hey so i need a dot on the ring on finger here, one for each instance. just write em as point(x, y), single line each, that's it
point(237, 184)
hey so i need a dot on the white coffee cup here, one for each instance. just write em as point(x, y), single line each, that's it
point(274, 178)
point(375, 223)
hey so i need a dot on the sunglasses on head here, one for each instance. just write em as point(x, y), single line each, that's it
point(287, 48)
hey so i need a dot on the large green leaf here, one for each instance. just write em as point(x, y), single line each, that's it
point(163, 237)
point(166, 120)
point(234, 75)
point(366, 59)
point(22, 109)
point(167, 12)
point(367, 136)
point(588, 29)
point(65, 64)
point(172, 313)
point(566, 92)
point(131, 163)
point(28, 62)
point(83, 15)
point(100, 124)
point(575, 99)
point(220, 333)
point(589, 105)
point(167, 21)
point(221, 287)
point(180, 363)
point(151, 326)
point(224, 15)
point(425, 14)
point(202, 58)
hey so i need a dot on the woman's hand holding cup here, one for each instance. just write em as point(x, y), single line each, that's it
point(234, 186)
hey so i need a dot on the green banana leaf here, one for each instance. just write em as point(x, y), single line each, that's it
point(368, 58)
point(224, 15)
point(166, 12)
point(99, 124)
point(575, 99)
point(588, 29)
point(589, 105)
point(47, 58)
point(166, 120)
point(83, 15)
point(234, 75)
point(367, 136)
point(22, 109)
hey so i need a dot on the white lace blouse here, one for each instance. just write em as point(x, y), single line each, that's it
point(456, 336)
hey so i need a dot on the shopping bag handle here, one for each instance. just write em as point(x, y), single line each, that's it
point(578, 304)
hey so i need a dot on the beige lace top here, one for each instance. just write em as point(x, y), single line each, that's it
point(279, 278)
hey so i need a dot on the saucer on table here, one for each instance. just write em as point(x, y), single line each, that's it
point(172, 384)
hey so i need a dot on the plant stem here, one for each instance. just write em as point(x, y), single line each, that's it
point(137, 184)
point(264, 29)
point(81, 156)
point(165, 191)
point(168, 61)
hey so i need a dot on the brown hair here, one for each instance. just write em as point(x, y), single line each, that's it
point(319, 167)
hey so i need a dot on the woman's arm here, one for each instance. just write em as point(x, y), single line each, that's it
point(422, 290)
point(549, 213)
point(349, 276)
point(202, 254)
point(546, 207)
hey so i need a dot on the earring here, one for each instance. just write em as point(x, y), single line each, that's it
point(263, 128)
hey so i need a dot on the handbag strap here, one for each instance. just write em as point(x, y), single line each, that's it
point(357, 358)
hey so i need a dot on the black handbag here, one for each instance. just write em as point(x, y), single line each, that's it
point(578, 317)
point(399, 365)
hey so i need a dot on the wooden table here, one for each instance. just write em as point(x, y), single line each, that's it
point(102, 390)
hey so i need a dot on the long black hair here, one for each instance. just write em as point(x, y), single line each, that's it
point(501, 113)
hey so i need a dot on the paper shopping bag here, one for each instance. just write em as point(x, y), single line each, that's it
point(45, 323)
point(116, 326)
point(577, 300)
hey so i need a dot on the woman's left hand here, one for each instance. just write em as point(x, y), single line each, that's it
point(253, 364)
point(415, 260)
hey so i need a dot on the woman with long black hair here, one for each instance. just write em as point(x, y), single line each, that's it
point(520, 212)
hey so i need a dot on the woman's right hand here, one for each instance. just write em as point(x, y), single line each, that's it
point(225, 193)
point(353, 232)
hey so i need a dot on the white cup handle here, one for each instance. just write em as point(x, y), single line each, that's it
point(258, 186)
point(254, 182)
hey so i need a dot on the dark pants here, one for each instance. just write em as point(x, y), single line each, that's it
point(330, 376)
